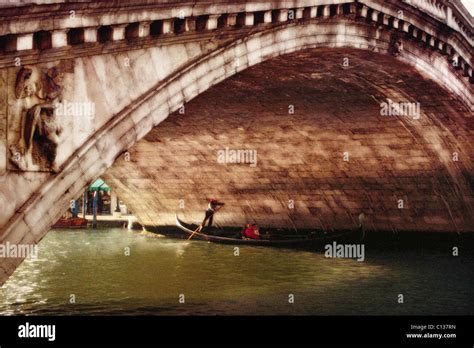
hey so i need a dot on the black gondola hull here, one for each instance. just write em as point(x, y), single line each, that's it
point(312, 240)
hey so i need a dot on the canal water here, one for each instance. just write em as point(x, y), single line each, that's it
point(92, 267)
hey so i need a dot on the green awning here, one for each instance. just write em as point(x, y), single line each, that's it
point(99, 185)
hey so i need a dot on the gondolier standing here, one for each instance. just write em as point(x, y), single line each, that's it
point(212, 207)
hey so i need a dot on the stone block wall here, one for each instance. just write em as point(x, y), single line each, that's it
point(300, 155)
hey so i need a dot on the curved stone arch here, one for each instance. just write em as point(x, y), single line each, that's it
point(33, 220)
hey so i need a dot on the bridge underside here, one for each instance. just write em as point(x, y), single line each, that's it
point(334, 158)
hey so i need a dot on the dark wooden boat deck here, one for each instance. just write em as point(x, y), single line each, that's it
point(232, 236)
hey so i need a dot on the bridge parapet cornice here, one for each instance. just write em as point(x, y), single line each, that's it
point(441, 24)
point(450, 12)
point(457, 23)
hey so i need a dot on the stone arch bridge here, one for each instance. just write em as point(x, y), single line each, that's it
point(82, 82)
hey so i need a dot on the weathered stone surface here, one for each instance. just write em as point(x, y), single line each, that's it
point(3, 121)
point(117, 77)
point(300, 155)
point(21, 229)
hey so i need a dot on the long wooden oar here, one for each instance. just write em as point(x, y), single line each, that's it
point(199, 228)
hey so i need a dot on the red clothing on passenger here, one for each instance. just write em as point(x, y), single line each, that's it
point(250, 233)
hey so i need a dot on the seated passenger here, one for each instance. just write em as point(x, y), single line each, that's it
point(244, 229)
point(251, 232)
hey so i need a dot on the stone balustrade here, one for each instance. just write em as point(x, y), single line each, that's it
point(450, 12)
point(433, 7)
point(74, 26)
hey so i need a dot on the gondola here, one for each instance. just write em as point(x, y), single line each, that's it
point(71, 223)
point(215, 235)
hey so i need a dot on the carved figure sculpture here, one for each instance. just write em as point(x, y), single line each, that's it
point(396, 45)
point(40, 130)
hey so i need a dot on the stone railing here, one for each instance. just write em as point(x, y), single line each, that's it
point(68, 24)
point(450, 12)
point(434, 8)
point(460, 19)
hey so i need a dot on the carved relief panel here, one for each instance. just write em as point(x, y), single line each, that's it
point(34, 128)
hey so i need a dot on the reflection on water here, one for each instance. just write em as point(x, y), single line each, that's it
point(93, 266)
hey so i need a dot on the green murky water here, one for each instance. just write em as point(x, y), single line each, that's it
point(92, 266)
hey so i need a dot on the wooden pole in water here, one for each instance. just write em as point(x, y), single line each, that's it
point(74, 208)
point(94, 210)
point(84, 205)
